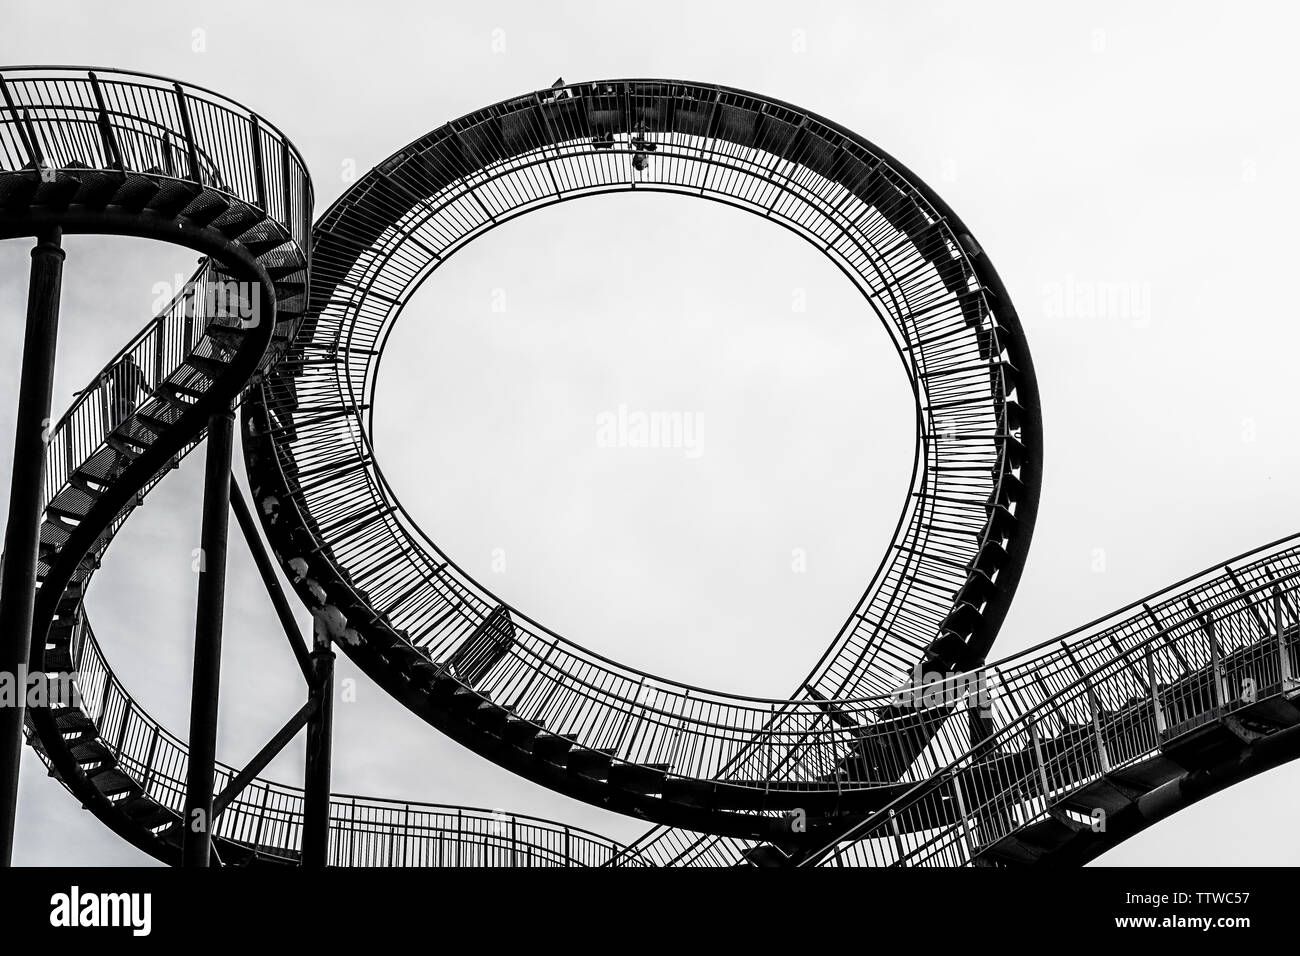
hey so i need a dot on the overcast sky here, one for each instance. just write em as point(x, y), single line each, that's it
point(1130, 173)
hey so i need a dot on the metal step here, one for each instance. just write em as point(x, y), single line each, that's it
point(212, 368)
point(205, 209)
point(590, 762)
point(110, 781)
point(766, 855)
point(553, 747)
point(521, 732)
point(639, 778)
point(173, 196)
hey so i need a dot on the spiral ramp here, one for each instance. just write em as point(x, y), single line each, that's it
point(900, 746)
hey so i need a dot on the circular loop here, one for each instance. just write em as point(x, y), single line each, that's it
point(418, 622)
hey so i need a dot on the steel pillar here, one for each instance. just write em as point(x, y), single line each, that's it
point(316, 773)
point(22, 533)
point(196, 845)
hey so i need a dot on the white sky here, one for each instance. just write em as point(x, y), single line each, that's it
point(1131, 175)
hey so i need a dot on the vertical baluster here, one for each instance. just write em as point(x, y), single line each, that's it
point(967, 837)
point(1216, 664)
point(259, 171)
point(1155, 697)
point(1034, 739)
point(898, 835)
point(148, 760)
point(286, 185)
point(1103, 756)
point(1284, 654)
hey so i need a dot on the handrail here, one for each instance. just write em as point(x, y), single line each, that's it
point(57, 103)
point(156, 756)
point(168, 82)
point(1185, 639)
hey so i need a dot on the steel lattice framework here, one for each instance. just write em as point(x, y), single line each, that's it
point(901, 746)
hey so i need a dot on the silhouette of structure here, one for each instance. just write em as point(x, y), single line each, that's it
point(901, 746)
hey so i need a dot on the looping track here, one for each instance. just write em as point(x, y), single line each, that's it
point(542, 705)
point(846, 770)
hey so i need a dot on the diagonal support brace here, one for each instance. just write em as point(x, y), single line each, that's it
point(265, 568)
point(264, 757)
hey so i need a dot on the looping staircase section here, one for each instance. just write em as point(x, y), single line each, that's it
point(544, 706)
point(106, 152)
point(900, 747)
point(128, 756)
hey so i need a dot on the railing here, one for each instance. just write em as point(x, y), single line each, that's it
point(151, 359)
point(57, 122)
point(267, 816)
point(1101, 699)
point(912, 263)
point(70, 118)
point(113, 122)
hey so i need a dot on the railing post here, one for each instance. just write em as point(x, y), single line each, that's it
point(1038, 759)
point(898, 835)
point(316, 772)
point(32, 149)
point(188, 129)
point(1216, 662)
point(112, 154)
point(406, 832)
point(961, 809)
point(101, 715)
point(196, 846)
point(159, 347)
point(286, 184)
point(128, 707)
point(22, 533)
point(168, 160)
point(147, 782)
point(259, 169)
point(261, 816)
point(106, 417)
point(352, 832)
point(1284, 655)
point(1158, 711)
point(1103, 755)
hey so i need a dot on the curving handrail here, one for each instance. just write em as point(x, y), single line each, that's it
point(265, 818)
point(86, 123)
point(1110, 695)
point(75, 118)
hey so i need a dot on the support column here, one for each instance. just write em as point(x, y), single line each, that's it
point(316, 774)
point(196, 845)
point(22, 533)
